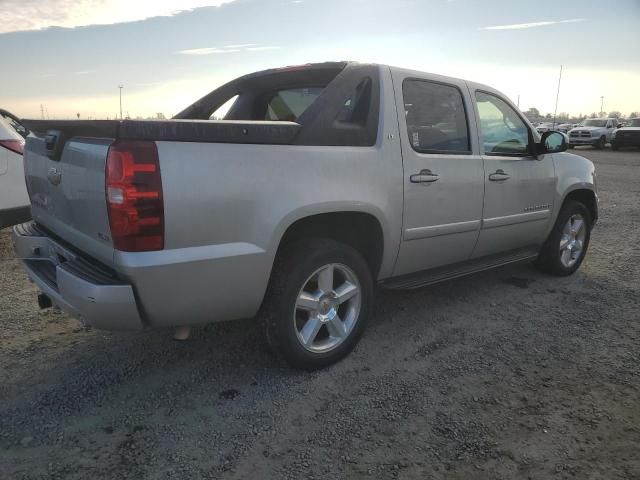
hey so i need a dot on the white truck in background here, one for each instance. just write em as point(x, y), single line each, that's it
point(593, 131)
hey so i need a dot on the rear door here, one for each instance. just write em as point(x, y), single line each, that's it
point(443, 177)
point(519, 187)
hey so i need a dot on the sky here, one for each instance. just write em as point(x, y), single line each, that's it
point(70, 55)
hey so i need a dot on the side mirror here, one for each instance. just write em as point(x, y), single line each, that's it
point(620, 125)
point(553, 142)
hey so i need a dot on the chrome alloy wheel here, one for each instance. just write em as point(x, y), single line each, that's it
point(327, 308)
point(572, 240)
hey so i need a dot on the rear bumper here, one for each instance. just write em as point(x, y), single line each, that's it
point(166, 288)
point(78, 287)
point(13, 216)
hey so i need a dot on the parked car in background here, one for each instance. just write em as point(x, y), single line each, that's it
point(565, 127)
point(544, 127)
point(321, 181)
point(593, 131)
point(628, 135)
point(14, 201)
point(14, 122)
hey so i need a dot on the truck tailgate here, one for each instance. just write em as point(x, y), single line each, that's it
point(65, 168)
point(68, 193)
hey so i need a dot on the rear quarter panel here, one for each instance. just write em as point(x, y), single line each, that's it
point(240, 199)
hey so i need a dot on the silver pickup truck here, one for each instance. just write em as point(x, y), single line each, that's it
point(321, 182)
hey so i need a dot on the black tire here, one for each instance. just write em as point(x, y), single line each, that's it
point(571, 147)
point(614, 146)
point(293, 267)
point(602, 142)
point(549, 260)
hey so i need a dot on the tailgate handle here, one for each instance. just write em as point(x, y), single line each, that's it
point(54, 176)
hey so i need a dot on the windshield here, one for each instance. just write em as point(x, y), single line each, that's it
point(634, 122)
point(593, 123)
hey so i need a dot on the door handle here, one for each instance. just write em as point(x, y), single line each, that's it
point(499, 176)
point(425, 176)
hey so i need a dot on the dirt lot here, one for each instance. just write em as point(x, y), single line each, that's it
point(506, 374)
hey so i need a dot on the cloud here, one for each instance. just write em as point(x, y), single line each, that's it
point(20, 15)
point(247, 47)
point(208, 51)
point(244, 45)
point(259, 49)
point(520, 26)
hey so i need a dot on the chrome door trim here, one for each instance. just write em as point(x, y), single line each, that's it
point(438, 230)
point(515, 219)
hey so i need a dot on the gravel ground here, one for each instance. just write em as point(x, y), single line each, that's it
point(505, 374)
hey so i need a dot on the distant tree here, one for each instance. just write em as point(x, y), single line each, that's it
point(160, 116)
point(548, 116)
point(532, 113)
point(593, 115)
point(615, 114)
point(634, 115)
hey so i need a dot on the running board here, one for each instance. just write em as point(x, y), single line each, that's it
point(441, 274)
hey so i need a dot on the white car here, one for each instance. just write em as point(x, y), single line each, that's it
point(14, 201)
point(566, 127)
point(544, 127)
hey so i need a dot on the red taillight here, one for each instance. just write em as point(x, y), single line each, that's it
point(134, 196)
point(16, 146)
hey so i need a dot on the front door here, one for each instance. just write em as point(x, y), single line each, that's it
point(443, 176)
point(519, 186)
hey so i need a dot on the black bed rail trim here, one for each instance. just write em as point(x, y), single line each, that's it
point(210, 131)
point(75, 128)
point(201, 131)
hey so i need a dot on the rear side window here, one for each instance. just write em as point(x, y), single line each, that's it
point(436, 117)
point(288, 105)
point(355, 109)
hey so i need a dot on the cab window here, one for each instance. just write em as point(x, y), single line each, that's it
point(502, 131)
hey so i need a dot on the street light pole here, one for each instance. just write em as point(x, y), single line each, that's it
point(120, 87)
point(555, 112)
point(601, 104)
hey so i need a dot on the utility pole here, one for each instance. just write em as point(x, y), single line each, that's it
point(120, 87)
point(518, 101)
point(42, 111)
point(555, 112)
point(601, 104)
